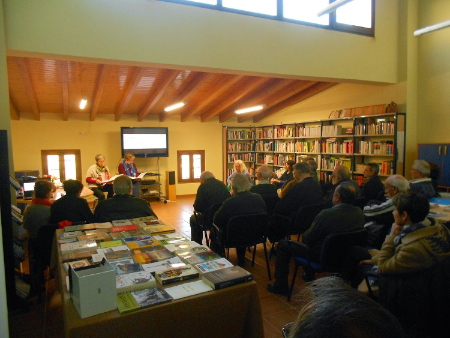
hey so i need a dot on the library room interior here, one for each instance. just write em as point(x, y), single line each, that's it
point(190, 109)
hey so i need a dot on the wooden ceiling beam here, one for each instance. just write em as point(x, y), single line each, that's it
point(258, 98)
point(25, 74)
point(64, 65)
point(299, 97)
point(14, 112)
point(164, 80)
point(243, 90)
point(193, 85)
point(135, 78)
point(283, 94)
point(103, 71)
point(212, 95)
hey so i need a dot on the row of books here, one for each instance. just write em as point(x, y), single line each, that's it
point(376, 148)
point(241, 146)
point(241, 134)
point(285, 147)
point(330, 163)
point(264, 146)
point(282, 159)
point(302, 131)
point(244, 157)
point(308, 146)
point(331, 130)
point(264, 133)
point(284, 132)
point(379, 128)
point(145, 263)
point(334, 146)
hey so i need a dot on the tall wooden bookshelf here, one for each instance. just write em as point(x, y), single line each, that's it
point(349, 141)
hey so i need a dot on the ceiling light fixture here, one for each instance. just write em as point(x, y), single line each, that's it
point(432, 28)
point(83, 102)
point(248, 110)
point(332, 7)
point(175, 106)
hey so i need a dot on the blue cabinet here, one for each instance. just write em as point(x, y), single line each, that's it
point(439, 154)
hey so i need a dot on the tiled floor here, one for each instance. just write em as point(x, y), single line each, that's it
point(46, 320)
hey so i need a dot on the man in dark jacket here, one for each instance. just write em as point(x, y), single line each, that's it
point(211, 191)
point(372, 189)
point(122, 205)
point(340, 174)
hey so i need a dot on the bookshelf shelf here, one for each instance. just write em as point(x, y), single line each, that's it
point(354, 135)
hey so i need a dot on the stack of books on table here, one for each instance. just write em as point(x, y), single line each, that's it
point(153, 263)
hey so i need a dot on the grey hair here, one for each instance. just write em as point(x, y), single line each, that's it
point(122, 185)
point(205, 175)
point(374, 167)
point(423, 167)
point(338, 311)
point(342, 172)
point(303, 167)
point(264, 171)
point(240, 182)
point(399, 182)
point(98, 156)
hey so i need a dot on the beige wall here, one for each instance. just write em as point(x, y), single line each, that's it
point(145, 31)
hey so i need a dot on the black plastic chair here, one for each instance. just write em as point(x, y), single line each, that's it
point(271, 203)
point(205, 221)
point(278, 227)
point(304, 218)
point(332, 256)
point(244, 231)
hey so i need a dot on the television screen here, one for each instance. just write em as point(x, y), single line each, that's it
point(145, 141)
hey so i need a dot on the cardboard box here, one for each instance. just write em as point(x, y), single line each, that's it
point(93, 289)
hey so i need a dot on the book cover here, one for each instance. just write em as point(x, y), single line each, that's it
point(125, 234)
point(78, 246)
point(152, 296)
point(73, 234)
point(121, 222)
point(214, 265)
point(191, 250)
point(223, 278)
point(95, 232)
point(100, 236)
point(126, 303)
point(76, 264)
point(145, 257)
point(166, 236)
point(74, 256)
point(158, 230)
point(114, 255)
point(121, 228)
point(134, 281)
point(170, 263)
point(124, 268)
point(110, 244)
point(67, 240)
point(176, 274)
point(188, 289)
point(174, 240)
point(182, 246)
point(143, 219)
point(199, 257)
point(139, 242)
point(105, 225)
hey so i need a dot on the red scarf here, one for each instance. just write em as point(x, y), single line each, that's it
point(42, 201)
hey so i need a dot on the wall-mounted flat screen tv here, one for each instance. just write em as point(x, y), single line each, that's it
point(145, 141)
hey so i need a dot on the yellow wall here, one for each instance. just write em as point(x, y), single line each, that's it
point(145, 31)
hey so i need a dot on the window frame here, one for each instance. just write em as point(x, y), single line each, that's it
point(333, 25)
point(61, 153)
point(191, 165)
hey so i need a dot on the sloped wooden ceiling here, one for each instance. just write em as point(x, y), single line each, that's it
point(52, 86)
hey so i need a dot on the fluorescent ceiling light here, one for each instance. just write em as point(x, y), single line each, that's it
point(248, 110)
point(175, 106)
point(332, 7)
point(432, 28)
point(83, 103)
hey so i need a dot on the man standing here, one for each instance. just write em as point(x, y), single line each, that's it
point(122, 205)
point(342, 217)
point(372, 189)
point(242, 202)
point(340, 174)
point(210, 192)
point(421, 182)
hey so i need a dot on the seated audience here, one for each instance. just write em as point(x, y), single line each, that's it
point(242, 202)
point(313, 166)
point(435, 172)
point(210, 191)
point(264, 188)
point(335, 310)
point(421, 182)
point(378, 215)
point(415, 242)
point(239, 167)
point(122, 205)
point(71, 207)
point(340, 174)
point(301, 191)
point(342, 217)
point(372, 188)
point(37, 214)
point(286, 176)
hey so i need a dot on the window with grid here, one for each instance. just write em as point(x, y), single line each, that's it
point(190, 163)
point(62, 164)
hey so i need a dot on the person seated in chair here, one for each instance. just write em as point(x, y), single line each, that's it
point(210, 191)
point(415, 242)
point(122, 205)
point(342, 217)
point(71, 207)
point(340, 174)
point(287, 176)
point(421, 182)
point(242, 202)
point(264, 188)
point(37, 214)
point(338, 311)
point(378, 215)
point(372, 188)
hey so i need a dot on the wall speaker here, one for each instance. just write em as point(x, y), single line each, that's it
point(171, 177)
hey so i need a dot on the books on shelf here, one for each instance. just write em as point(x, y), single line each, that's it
point(285, 147)
point(284, 131)
point(334, 146)
point(378, 128)
point(308, 131)
point(308, 146)
point(332, 130)
point(188, 289)
point(223, 278)
point(214, 265)
point(330, 163)
point(376, 148)
point(134, 281)
point(240, 134)
point(176, 274)
point(151, 296)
